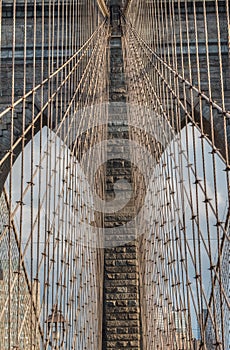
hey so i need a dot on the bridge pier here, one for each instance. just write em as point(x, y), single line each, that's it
point(121, 321)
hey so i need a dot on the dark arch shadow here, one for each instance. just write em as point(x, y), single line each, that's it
point(203, 123)
point(5, 139)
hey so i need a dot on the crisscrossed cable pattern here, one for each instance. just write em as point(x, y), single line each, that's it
point(54, 91)
point(177, 67)
point(51, 272)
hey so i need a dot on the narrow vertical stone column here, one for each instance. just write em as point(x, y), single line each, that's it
point(121, 320)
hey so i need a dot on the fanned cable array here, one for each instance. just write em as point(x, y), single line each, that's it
point(177, 68)
point(93, 92)
point(53, 61)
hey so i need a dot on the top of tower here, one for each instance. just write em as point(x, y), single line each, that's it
point(120, 3)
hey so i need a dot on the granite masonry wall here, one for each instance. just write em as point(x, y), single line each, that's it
point(121, 328)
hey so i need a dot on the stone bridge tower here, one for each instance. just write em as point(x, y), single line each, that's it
point(122, 322)
point(122, 326)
